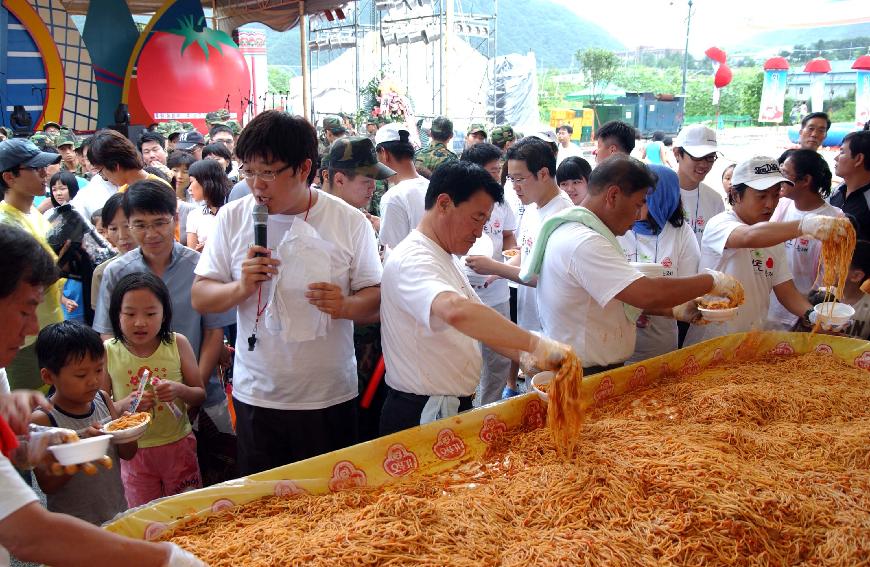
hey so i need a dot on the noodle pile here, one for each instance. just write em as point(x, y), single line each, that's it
point(128, 421)
point(564, 412)
point(765, 462)
point(836, 258)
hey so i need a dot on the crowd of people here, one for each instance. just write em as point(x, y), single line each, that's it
point(256, 277)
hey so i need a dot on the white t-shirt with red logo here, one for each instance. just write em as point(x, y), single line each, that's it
point(677, 250)
point(530, 226)
point(758, 269)
point(501, 219)
point(699, 206)
point(803, 255)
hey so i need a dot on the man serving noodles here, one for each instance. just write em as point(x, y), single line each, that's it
point(589, 296)
point(432, 319)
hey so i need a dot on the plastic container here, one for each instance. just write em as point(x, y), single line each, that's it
point(542, 378)
point(718, 315)
point(82, 451)
point(833, 316)
point(129, 434)
point(508, 255)
point(648, 269)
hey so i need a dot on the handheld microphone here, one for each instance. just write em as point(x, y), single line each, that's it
point(261, 218)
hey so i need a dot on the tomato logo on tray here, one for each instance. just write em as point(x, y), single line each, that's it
point(783, 349)
point(639, 379)
point(288, 488)
point(863, 361)
point(690, 367)
point(448, 446)
point(718, 356)
point(604, 390)
point(155, 530)
point(534, 415)
point(492, 428)
point(191, 69)
point(346, 475)
point(221, 505)
point(824, 349)
point(400, 461)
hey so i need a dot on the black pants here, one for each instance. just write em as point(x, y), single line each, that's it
point(403, 410)
point(269, 438)
point(590, 370)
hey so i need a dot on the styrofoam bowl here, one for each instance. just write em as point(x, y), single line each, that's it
point(834, 314)
point(648, 269)
point(130, 434)
point(508, 257)
point(83, 451)
point(542, 378)
point(718, 315)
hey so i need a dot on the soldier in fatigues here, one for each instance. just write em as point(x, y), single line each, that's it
point(503, 136)
point(429, 158)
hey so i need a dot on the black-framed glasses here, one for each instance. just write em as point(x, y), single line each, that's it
point(266, 175)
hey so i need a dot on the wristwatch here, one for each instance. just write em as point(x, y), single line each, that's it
point(805, 320)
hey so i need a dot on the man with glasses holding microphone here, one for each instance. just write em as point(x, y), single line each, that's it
point(696, 151)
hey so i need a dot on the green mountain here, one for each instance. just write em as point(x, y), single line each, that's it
point(551, 30)
point(775, 41)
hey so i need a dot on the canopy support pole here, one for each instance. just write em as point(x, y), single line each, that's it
point(303, 51)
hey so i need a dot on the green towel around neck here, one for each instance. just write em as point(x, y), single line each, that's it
point(585, 217)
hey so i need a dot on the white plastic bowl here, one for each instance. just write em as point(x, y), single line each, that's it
point(832, 315)
point(542, 378)
point(718, 315)
point(649, 270)
point(129, 434)
point(509, 257)
point(82, 451)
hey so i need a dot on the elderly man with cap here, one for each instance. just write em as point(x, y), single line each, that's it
point(696, 151)
point(745, 244)
point(333, 129)
point(476, 134)
point(427, 160)
point(295, 380)
point(23, 177)
point(353, 170)
point(503, 136)
point(191, 142)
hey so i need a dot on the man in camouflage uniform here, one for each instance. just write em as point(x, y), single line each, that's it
point(353, 170)
point(66, 146)
point(43, 141)
point(172, 130)
point(476, 135)
point(504, 137)
point(51, 128)
point(426, 160)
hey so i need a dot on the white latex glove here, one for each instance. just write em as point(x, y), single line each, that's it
point(725, 285)
point(688, 312)
point(822, 227)
point(181, 558)
point(545, 354)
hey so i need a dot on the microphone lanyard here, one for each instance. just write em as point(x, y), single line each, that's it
point(252, 340)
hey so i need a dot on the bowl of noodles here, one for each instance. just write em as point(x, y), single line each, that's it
point(509, 254)
point(716, 309)
point(128, 428)
point(541, 383)
point(833, 316)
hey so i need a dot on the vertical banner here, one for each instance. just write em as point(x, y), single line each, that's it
point(862, 98)
point(773, 96)
point(817, 91)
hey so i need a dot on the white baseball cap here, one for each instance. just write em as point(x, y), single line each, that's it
point(390, 133)
point(697, 140)
point(760, 172)
point(545, 134)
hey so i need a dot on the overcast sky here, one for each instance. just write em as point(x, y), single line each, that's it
point(662, 23)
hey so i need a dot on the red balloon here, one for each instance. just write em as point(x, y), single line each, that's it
point(716, 54)
point(723, 76)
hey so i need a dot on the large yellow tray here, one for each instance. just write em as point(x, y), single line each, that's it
point(442, 444)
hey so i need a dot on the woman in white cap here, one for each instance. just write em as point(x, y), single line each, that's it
point(744, 243)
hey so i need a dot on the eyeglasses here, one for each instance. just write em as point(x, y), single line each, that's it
point(264, 176)
point(156, 226)
point(515, 179)
point(709, 159)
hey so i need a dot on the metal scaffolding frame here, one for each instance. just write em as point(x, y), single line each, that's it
point(399, 24)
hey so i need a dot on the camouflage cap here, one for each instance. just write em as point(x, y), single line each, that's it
point(332, 123)
point(477, 129)
point(220, 115)
point(42, 140)
point(65, 138)
point(47, 124)
point(502, 134)
point(357, 155)
point(442, 127)
point(171, 127)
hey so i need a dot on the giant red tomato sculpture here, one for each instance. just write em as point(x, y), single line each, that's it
point(191, 70)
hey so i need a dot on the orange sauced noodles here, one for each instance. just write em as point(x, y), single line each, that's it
point(128, 421)
point(836, 258)
point(564, 412)
point(764, 462)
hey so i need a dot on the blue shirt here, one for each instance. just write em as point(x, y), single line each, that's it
point(178, 277)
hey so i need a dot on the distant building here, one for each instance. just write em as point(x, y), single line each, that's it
point(840, 82)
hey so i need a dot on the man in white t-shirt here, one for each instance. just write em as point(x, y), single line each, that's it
point(811, 179)
point(402, 205)
point(589, 296)
point(744, 243)
point(94, 195)
point(500, 230)
point(431, 318)
point(295, 382)
point(696, 150)
point(567, 148)
point(27, 529)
